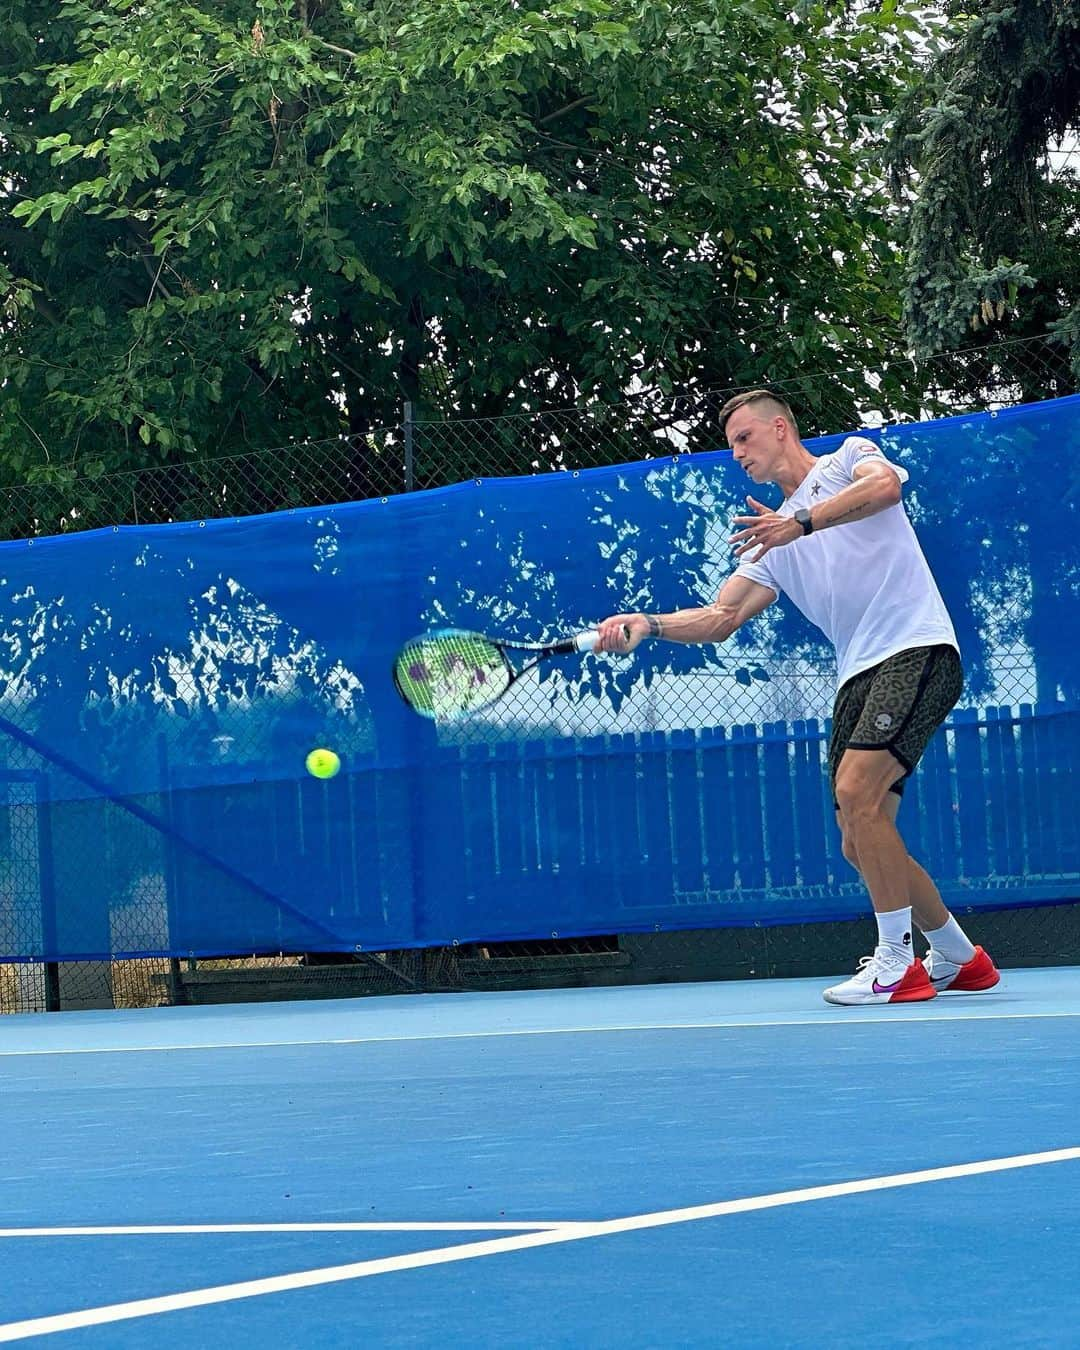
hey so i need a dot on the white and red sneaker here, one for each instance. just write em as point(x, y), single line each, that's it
point(973, 976)
point(884, 978)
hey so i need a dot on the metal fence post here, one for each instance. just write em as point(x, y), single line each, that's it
point(408, 424)
point(47, 890)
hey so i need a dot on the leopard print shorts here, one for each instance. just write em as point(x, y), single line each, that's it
point(896, 706)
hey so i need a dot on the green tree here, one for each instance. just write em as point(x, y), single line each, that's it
point(990, 228)
point(236, 225)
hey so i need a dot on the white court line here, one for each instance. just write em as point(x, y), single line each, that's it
point(156, 1230)
point(843, 1020)
point(307, 1279)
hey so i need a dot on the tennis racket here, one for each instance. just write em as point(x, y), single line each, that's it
point(449, 674)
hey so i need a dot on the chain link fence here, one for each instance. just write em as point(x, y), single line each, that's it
point(424, 452)
point(420, 453)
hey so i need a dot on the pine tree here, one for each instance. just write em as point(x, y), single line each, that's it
point(990, 226)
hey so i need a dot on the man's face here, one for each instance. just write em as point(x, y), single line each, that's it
point(755, 440)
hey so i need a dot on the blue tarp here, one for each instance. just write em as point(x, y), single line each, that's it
point(161, 686)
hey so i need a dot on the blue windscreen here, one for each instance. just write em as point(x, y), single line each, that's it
point(161, 686)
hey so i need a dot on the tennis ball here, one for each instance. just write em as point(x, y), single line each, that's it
point(322, 763)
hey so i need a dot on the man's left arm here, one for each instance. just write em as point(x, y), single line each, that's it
point(876, 487)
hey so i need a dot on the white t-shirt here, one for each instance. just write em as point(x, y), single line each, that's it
point(865, 583)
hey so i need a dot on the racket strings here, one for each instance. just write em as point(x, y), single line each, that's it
point(445, 675)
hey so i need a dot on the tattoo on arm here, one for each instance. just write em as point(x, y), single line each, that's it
point(856, 511)
point(846, 515)
point(656, 628)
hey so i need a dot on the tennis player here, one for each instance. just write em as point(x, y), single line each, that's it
point(841, 547)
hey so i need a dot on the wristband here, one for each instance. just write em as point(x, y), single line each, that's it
point(656, 628)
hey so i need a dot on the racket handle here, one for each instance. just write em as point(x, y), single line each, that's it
point(586, 642)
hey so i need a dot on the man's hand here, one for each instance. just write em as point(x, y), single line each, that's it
point(613, 631)
point(763, 531)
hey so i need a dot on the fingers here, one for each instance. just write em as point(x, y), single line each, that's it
point(756, 521)
point(621, 633)
point(762, 531)
point(757, 532)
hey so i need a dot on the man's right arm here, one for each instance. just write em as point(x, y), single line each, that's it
point(739, 599)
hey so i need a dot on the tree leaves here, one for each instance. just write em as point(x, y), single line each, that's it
point(990, 228)
point(478, 208)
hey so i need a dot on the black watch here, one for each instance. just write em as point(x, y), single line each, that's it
point(802, 515)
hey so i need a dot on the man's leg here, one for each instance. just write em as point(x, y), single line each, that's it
point(883, 720)
point(871, 841)
point(954, 961)
point(863, 780)
point(927, 907)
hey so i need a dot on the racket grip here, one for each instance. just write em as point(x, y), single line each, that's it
point(586, 642)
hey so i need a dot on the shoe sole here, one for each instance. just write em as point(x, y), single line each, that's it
point(973, 987)
point(920, 995)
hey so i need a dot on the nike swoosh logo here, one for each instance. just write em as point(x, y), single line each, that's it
point(884, 988)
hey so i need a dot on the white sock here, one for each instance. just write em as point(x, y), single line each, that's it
point(951, 941)
point(894, 932)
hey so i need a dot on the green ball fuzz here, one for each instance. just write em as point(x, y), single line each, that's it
point(322, 763)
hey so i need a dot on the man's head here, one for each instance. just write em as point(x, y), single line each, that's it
point(760, 428)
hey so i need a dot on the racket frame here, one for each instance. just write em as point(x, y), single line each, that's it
point(540, 651)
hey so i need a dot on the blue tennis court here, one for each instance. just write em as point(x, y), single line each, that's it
point(697, 1164)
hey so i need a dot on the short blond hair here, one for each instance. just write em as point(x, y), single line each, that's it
point(757, 396)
